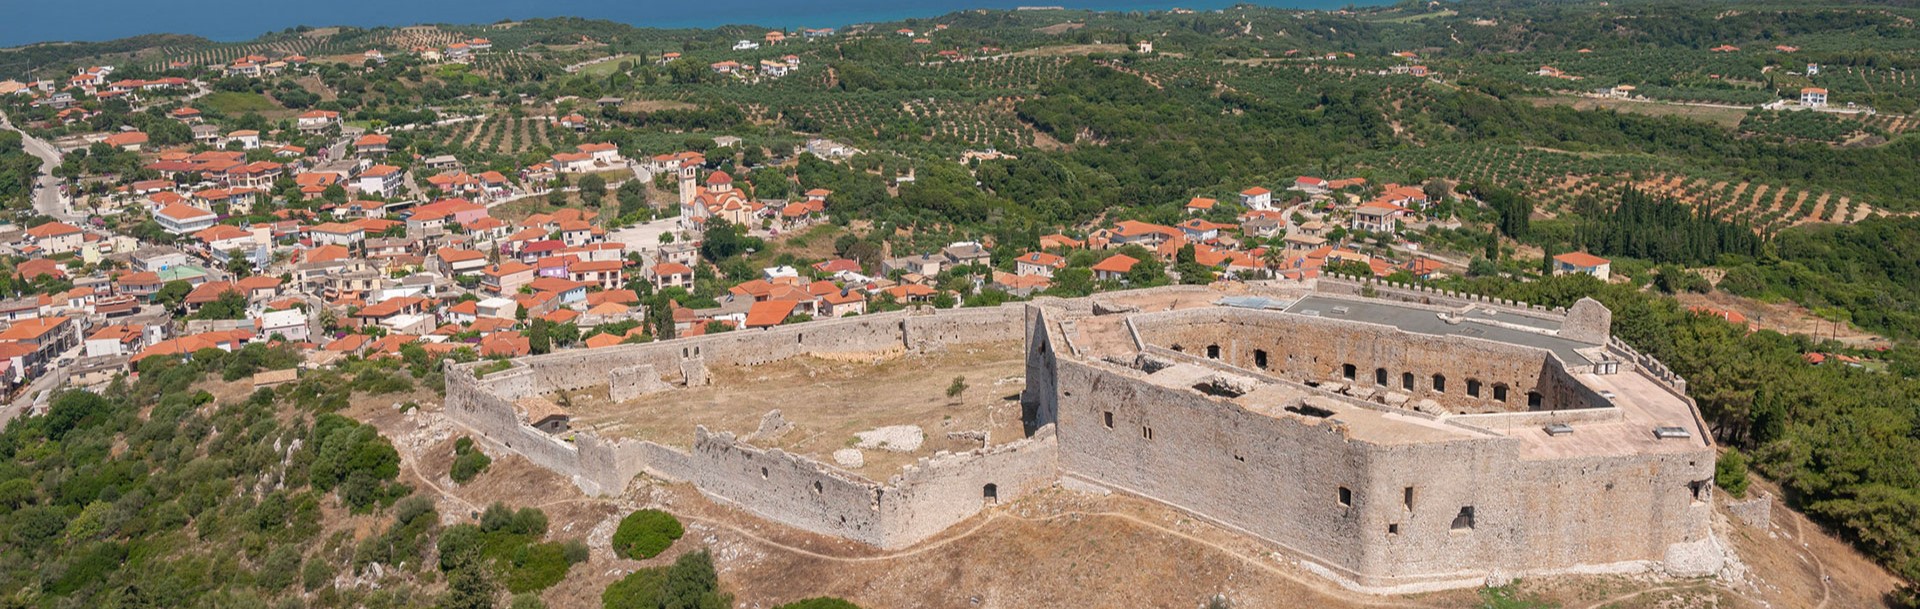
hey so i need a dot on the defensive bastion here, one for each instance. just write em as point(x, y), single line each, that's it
point(1393, 438)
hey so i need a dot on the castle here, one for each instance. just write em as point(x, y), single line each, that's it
point(1392, 438)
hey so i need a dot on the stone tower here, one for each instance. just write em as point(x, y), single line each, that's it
point(687, 189)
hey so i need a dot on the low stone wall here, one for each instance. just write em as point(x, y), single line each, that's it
point(1755, 511)
point(918, 331)
point(795, 490)
point(937, 493)
point(786, 488)
point(597, 466)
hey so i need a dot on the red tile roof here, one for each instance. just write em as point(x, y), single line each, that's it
point(769, 313)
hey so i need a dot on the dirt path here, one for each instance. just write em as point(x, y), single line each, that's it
point(1634, 594)
point(1826, 582)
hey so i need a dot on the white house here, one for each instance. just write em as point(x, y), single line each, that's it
point(1582, 262)
point(181, 219)
point(1814, 97)
point(335, 233)
point(380, 180)
point(1256, 198)
point(290, 324)
point(56, 237)
point(315, 120)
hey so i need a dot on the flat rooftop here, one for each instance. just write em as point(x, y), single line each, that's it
point(1424, 321)
point(1641, 404)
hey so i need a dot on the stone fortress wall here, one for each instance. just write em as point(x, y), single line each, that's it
point(922, 500)
point(1461, 375)
point(1372, 514)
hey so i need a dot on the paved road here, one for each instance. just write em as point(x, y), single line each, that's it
point(47, 198)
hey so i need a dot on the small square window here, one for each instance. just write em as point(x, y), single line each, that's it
point(1346, 497)
point(1393, 529)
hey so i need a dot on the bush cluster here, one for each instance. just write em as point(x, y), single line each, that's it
point(468, 462)
point(645, 534)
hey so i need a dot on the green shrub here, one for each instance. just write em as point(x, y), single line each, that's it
point(645, 534)
point(527, 600)
point(315, 575)
point(469, 465)
point(575, 551)
point(534, 567)
point(639, 589)
point(690, 583)
point(1730, 472)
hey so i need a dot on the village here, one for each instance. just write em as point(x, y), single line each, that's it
point(364, 258)
point(325, 235)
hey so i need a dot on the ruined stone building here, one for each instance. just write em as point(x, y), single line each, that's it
point(1402, 440)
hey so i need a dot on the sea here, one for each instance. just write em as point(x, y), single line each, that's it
point(32, 21)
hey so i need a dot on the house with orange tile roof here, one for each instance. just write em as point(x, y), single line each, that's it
point(30, 270)
point(1145, 234)
point(1060, 241)
point(769, 313)
point(606, 274)
point(47, 337)
point(1038, 264)
point(259, 287)
point(386, 311)
point(910, 292)
point(316, 120)
point(336, 233)
point(670, 275)
point(1256, 198)
point(56, 237)
point(380, 180)
point(453, 261)
point(181, 219)
point(505, 278)
point(1582, 262)
point(1114, 268)
point(130, 141)
point(565, 291)
point(186, 346)
point(117, 339)
point(372, 144)
point(208, 293)
point(1813, 97)
point(1379, 216)
point(225, 237)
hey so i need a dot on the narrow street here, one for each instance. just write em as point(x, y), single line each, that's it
point(47, 198)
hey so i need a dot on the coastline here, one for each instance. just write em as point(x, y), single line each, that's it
point(53, 23)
